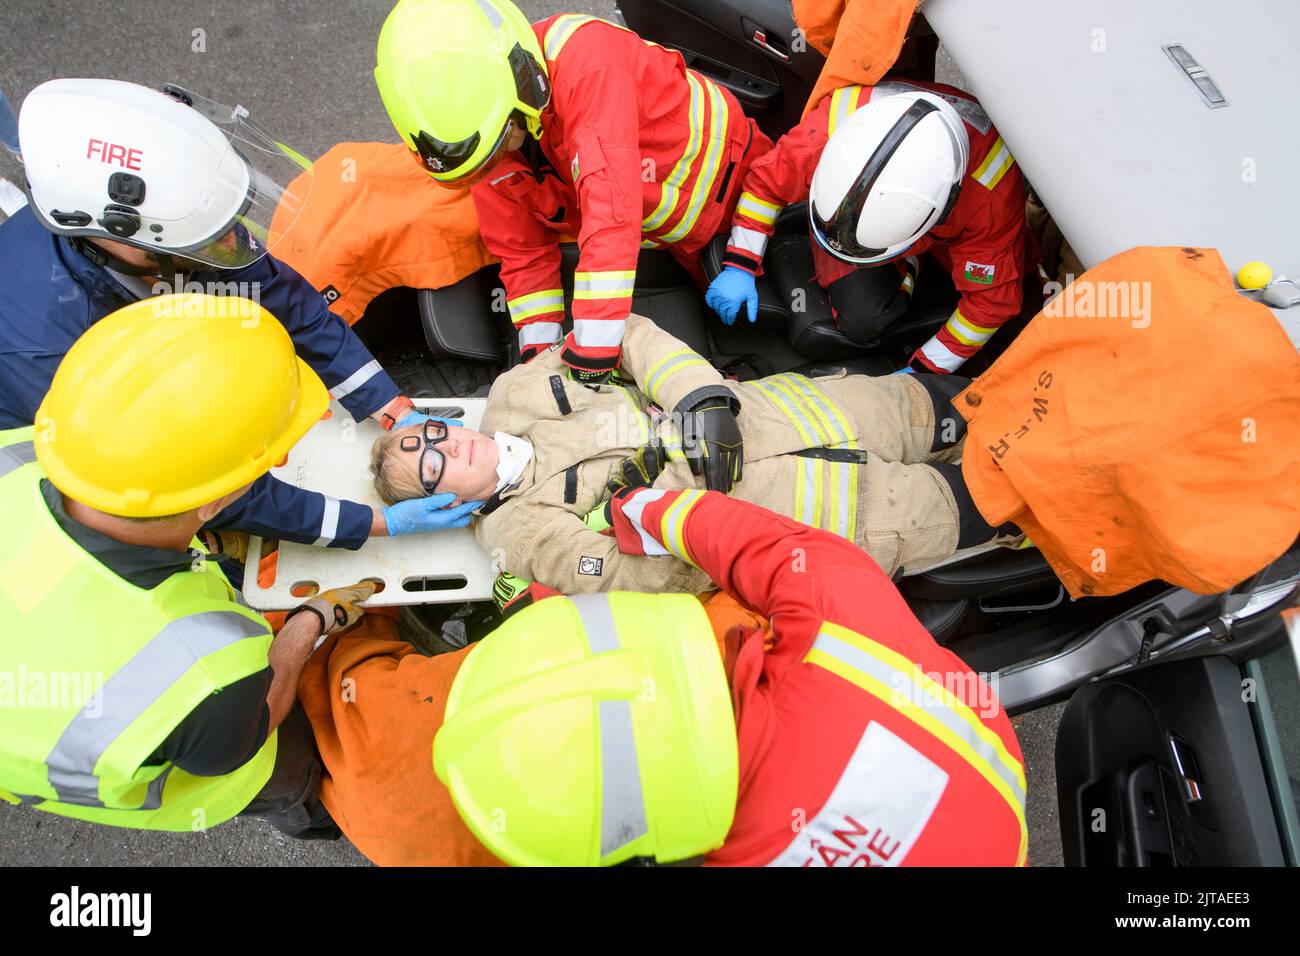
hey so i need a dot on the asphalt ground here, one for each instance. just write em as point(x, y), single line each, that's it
point(303, 69)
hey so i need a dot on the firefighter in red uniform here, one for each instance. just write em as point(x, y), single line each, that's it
point(593, 133)
point(603, 729)
point(890, 172)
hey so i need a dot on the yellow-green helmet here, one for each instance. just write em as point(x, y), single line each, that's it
point(451, 73)
point(591, 730)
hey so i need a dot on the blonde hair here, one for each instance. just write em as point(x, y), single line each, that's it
point(393, 481)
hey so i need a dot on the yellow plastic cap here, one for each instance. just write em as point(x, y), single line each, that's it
point(1254, 275)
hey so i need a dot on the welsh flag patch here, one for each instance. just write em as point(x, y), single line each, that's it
point(977, 272)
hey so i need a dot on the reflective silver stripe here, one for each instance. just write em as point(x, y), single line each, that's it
point(357, 379)
point(598, 333)
point(561, 30)
point(633, 510)
point(329, 522)
point(842, 471)
point(539, 333)
point(919, 698)
point(793, 411)
point(535, 304)
point(135, 686)
point(751, 240)
point(619, 282)
point(834, 423)
point(491, 13)
point(941, 356)
point(622, 803)
point(597, 621)
point(669, 367)
point(843, 102)
point(153, 795)
point(812, 477)
point(15, 456)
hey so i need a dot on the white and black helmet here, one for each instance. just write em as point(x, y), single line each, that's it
point(169, 172)
point(891, 172)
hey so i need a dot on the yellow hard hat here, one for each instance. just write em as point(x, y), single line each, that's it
point(172, 402)
point(451, 73)
point(591, 730)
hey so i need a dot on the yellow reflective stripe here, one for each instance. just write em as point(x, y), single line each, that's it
point(995, 165)
point(703, 188)
point(801, 390)
point(670, 193)
point(808, 479)
point(760, 210)
point(674, 523)
point(843, 102)
point(667, 366)
point(844, 521)
point(559, 32)
point(642, 419)
point(967, 332)
point(535, 304)
point(604, 285)
point(946, 717)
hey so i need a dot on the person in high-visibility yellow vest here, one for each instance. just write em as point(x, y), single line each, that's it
point(140, 693)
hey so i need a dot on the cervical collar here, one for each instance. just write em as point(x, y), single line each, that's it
point(513, 455)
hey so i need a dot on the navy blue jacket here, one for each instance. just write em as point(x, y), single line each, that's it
point(50, 294)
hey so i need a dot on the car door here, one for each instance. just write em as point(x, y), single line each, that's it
point(1195, 762)
point(754, 48)
point(749, 46)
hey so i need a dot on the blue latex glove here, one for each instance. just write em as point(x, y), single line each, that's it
point(905, 370)
point(731, 289)
point(415, 418)
point(427, 514)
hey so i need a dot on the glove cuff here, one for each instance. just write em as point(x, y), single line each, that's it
point(324, 625)
point(737, 258)
point(704, 393)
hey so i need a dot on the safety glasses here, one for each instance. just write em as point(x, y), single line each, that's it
point(431, 460)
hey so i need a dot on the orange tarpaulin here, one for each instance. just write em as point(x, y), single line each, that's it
point(373, 221)
point(1144, 426)
point(375, 703)
point(860, 39)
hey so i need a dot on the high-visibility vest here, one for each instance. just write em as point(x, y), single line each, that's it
point(95, 672)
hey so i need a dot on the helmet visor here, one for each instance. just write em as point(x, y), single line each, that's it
point(258, 190)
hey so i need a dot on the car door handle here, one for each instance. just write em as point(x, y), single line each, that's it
point(759, 39)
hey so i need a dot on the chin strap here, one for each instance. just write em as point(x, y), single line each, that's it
point(164, 269)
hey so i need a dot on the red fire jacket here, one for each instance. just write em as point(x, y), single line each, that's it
point(862, 741)
point(644, 152)
point(984, 243)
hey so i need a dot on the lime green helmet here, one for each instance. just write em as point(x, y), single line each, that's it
point(592, 730)
point(452, 73)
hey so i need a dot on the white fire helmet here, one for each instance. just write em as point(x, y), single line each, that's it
point(890, 174)
point(169, 172)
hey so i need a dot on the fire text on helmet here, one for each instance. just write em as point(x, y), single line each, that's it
point(113, 153)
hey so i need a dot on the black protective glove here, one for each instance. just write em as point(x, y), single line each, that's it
point(712, 442)
point(637, 470)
